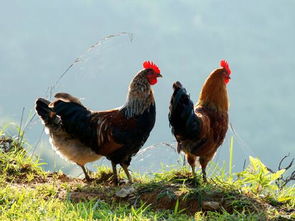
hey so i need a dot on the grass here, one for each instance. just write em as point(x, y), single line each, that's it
point(29, 193)
point(15, 166)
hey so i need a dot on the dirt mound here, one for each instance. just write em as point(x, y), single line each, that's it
point(188, 197)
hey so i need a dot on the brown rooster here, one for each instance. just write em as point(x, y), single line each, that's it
point(200, 130)
point(81, 135)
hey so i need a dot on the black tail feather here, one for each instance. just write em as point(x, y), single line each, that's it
point(182, 117)
point(75, 117)
point(77, 121)
point(43, 110)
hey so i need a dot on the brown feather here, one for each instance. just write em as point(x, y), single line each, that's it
point(106, 120)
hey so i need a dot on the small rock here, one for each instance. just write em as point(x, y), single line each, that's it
point(125, 191)
point(210, 205)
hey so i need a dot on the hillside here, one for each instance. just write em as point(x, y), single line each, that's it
point(27, 192)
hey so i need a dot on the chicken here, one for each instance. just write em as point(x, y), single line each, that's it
point(200, 130)
point(81, 135)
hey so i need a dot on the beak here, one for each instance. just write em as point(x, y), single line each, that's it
point(159, 76)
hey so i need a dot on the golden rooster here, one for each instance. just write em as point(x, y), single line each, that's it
point(200, 130)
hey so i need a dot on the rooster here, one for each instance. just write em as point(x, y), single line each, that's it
point(200, 130)
point(81, 135)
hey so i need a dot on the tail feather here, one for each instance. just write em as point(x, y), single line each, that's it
point(67, 98)
point(74, 116)
point(68, 114)
point(77, 120)
point(182, 117)
point(44, 111)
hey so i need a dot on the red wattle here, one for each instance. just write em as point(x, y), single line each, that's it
point(152, 81)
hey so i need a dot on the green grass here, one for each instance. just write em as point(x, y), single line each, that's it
point(16, 166)
point(29, 193)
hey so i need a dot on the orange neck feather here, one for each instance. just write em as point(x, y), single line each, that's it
point(214, 92)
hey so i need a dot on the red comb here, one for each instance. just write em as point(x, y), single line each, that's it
point(151, 65)
point(224, 64)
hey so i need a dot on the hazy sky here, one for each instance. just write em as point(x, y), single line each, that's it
point(186, 39)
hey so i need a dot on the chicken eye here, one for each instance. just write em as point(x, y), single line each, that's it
point(149, 72)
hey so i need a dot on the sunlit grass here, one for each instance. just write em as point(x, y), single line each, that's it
point(29, 193)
